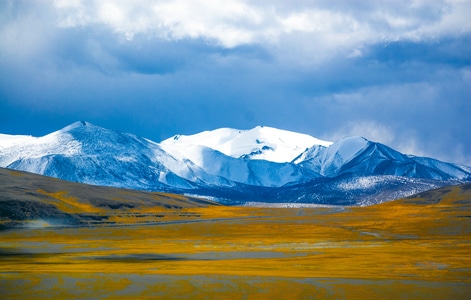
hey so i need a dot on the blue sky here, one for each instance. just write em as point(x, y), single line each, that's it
point(396, 72)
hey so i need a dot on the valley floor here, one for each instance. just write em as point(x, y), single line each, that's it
point(406, 249)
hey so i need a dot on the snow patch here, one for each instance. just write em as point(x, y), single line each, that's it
point(7, 140)
point(361, 183)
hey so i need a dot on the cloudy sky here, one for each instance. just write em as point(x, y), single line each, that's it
point(397, 72)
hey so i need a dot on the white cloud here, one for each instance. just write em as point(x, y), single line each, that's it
point(24, 35)
point(233, 23)
point(230, 23)
point(71, 13)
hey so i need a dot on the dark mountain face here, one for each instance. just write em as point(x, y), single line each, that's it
point(351, 171)
point(378, 159)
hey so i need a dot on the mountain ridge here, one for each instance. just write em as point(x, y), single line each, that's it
point(261, 164)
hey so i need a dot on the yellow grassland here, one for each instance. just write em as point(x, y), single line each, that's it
point(67, 204)
point(397, 250)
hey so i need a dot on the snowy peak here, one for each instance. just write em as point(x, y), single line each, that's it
point(83, 152)
point(328, 161)
point(85, 131)
point(345, 149)
point(260, 143)
point(75, 125)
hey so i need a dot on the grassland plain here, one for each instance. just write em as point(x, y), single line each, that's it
point(122, 244)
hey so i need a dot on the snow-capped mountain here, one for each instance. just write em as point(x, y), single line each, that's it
point(357, 155)
point(261, 142)
point(86, 153)
point(234, 166)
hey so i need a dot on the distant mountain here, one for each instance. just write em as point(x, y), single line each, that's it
point(358, 156)
point(233, 166)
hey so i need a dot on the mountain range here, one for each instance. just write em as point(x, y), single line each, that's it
point(244, 167)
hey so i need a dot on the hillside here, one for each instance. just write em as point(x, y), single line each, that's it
point(27, 197)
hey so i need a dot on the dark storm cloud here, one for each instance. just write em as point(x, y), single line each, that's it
point(449, 51)
point(108, 55)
